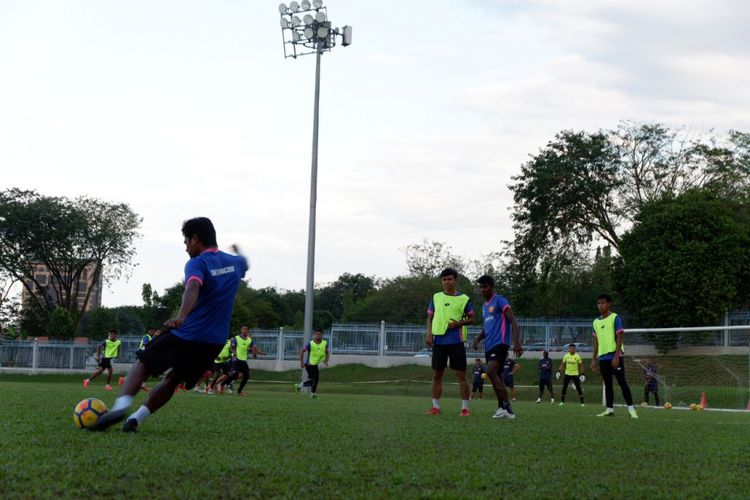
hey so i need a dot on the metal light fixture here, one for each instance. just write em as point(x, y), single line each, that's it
point(315, 36)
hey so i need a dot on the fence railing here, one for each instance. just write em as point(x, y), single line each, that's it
point(379, 340)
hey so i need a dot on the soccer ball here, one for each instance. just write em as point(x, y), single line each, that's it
point(644, 405)
point(88, 411)
point(693, 406)
point(485, 376)
point(667, 405)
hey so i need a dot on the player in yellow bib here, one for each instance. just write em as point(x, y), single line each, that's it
point(111, 347)
point(317, 351)
point(609, 353)
point(241, 346)
point(573, 366)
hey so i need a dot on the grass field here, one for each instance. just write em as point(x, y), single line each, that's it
point(356, 443)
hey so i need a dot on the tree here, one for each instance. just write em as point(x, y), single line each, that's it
point(78, 241)
point(343, 293)
point(585, 186)
point(61, 325)
point(685, 261)
point(429, 258)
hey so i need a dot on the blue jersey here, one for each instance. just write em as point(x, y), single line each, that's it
point(477, 372)
point(219, 275)
point(497, 326)
point(510, 363)
point(452, 335)
point(545, 369)
point(619, 327)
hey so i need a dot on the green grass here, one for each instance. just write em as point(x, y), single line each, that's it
point(353, 442)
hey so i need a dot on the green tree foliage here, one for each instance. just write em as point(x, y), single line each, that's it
point(61, 325)
point(584, 186)
point(342, 294)
point(428, 258)
point(78, 240)
point(685, 261)
point(95, 324)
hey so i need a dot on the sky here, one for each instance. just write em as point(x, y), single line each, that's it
point(188, 108)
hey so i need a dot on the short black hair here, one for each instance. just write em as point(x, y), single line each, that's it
point(319, 330)
point(486, 279)
point(477, 359)
point(244, 325)
point(604, 296)
point(203, 228)
point(449, 271)
point(572, 344)
point(112, 330)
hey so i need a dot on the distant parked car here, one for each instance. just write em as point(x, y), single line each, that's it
point(424, 353)
point(538, 346)
point(580, 347)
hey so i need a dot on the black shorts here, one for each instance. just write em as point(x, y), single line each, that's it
point(498, 353)
point(477, 386)
point(224, 367)
point(106, 363)
point(508, 381)
point(187, 359)
point(456, 353)
point(240, 366)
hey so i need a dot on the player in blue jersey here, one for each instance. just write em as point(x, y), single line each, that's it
point(545, 377)
point(447, 316)
point(193, 339)
point(499, 326)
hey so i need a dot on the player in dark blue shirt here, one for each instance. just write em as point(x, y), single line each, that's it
point(196, 336)
point(545, 377)
point(477, 384)
point(650, 382)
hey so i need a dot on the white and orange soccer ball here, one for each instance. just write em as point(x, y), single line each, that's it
point(667, 405)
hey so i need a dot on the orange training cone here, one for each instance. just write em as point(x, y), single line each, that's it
point(704, 401)
point(121, 381)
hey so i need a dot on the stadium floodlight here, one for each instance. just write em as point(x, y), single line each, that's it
point(315, 36)
point(284, 22)
point(346, 36)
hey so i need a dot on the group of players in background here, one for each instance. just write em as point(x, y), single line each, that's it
point(196, 340)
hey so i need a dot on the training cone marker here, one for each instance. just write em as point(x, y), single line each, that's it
point(704, 401)
point(120, 380)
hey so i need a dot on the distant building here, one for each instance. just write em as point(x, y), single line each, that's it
point(48, 282)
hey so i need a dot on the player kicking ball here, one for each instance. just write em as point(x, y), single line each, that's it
point(499, 322)
point(195, 337)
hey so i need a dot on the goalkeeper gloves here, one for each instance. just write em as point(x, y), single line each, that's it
point(582, 378)
point(557, 375)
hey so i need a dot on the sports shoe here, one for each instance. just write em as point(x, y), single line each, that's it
point(229, 390)
point(501, 413)
point(242, 394)
point(313, 396)
point(561, 403)
point(145, 388)
point(107, 387)
point(606, 414)
point(514, 400)
point(433, 411)
point(85, 383)
point(297, 387)
point(538, 400)
point(552, 401)
point(633, 414)
point(210, 392)
point(108, 420)
point(131, 425)
point(582, 405)
point(510, 416)
point(464, 412)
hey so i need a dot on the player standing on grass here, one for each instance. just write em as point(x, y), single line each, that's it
point(241, 346)
point(650, 382)
point(477, 383)
point(573, 366)
point(509, 371)
point(447, 316)
point(222, 368)
point(312, 354)
point(111, 347)
point(545, 377)
point(499, 322)
point(609, 354)
point(195, 336)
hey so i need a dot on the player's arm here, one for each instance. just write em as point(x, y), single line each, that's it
point(517, 349)
point(595, 355)
point(189, 299)
point(477, 340)
point(99, 350)
point(581, 368)
point(429, 339)
point(302, 357)
point(233, 348)
point(618, 348)
point(257, 350)
point(328, 355)
point(516, 367)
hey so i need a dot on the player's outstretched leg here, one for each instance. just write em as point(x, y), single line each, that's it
point(133, 381)
point(156, 399)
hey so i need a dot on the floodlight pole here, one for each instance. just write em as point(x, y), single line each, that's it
point(310, 286)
